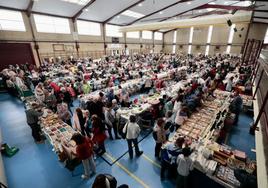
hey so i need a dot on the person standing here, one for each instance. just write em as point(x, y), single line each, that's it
point(99, 135)
point(169, 155)
point(79, 121)
point(110, 121)
point(229, 85)
point(39, 92)
point(185, 165)
point(99, 106)
point(32, 116)
point(84, 151)
point(181, 117)
point(236, 106)
point(64, 113)
point(132, 131)
point(160, 137)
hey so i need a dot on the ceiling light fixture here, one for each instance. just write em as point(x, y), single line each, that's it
point(210, 9)
point(78, 2)
point(133, 14)
point(86, 9)
point(160, 12)
point(188, 3)
point(140, 5)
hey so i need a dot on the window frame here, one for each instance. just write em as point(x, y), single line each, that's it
point(88, 26)
point(57, 25)
point(8, 24)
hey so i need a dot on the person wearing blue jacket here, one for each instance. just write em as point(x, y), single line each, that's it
point(169, 155)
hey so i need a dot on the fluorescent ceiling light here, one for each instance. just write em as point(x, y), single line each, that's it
point(212, 3)
point(230, 2)
point(79, 2)
point(86, 9)
point(118, 16)
point(210, 9)
point(189, 3)
point(244, 3)
point(160, 12)
point(140, 5)
point(133, 14)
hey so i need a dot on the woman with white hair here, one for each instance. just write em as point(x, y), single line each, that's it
point(39, 92)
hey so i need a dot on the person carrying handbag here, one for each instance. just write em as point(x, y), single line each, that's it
point(132, 131)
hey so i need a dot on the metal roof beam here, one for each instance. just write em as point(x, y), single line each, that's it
point(81, 10)
point(182, 1)
point(226, 7)
point(29, 7)
point(129, 7)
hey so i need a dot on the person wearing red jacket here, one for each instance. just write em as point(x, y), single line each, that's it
point(99, 135)
point(84, 151)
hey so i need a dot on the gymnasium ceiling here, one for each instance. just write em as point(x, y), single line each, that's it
point(129, 12)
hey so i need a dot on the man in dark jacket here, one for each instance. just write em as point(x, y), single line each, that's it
point(236, 106)
point(32, 116)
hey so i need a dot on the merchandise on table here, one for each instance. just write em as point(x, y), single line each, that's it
point(227, 175)
point(56, 131)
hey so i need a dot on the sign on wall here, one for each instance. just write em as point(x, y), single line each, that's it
point(115, 40)
point(115, 46)
point(69, 48)
point(58, 47)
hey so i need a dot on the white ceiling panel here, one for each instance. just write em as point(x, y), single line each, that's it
point(121, 19)
point(223, 2)
point(101, 10)
point(19, 4)
point(261, 5)
point(179, 8)
point(260, 20)
point(261, 14)
point(57, 7)
point(150, 6)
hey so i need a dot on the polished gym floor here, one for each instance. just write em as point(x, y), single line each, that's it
point(37, 166)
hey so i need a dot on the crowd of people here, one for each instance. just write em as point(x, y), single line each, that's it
point(97, 117)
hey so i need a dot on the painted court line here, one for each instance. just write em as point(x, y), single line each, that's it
point(151, 161)
point(127, 171)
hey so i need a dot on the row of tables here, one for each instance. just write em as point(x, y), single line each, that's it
point(198, 127)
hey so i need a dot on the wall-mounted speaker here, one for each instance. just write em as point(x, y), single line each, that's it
point(36, 46)
point(229, 22)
